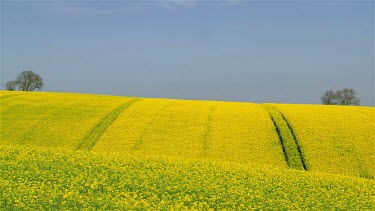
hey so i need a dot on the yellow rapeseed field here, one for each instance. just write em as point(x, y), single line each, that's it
point(240, 132)
point(56, 179)
point(51, 119)
point(64, 151)
point(335, 139)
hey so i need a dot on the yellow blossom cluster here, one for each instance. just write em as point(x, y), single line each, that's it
point(56, 179)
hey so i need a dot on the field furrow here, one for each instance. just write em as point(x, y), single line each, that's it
point(243, 133)
point(177, 131)
point(8, 95)
point(278, 130)
point(138, 143)
point(130, 127)
point(291, 149)
point(297, 144)
point(238, 132)
point(207, 133)
point(335, 139)
point(51, 119)
point(43, 120)
point(97, 131)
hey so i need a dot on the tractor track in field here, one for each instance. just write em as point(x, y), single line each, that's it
point(206, 134)
point(11, 95)
point(139, 142)
point(295, 139)
point(46, 114)
point(289, 143)
point(280, 139)
point(96, 132)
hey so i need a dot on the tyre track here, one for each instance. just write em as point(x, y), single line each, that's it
point(11, 95)
point(46, 114)
point(295, 139)
point(140, 141)
point(206, 134)
point(96, 132)
point(290, 146)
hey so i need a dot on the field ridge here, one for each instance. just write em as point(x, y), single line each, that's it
point(292, 151)
point(97, 131)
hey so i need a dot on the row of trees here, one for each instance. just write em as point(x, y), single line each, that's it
point(25, 81)
point(340, 97)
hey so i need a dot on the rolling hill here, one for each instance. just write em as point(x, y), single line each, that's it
point(94, 151)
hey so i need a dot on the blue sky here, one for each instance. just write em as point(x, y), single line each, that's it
point(272, 51)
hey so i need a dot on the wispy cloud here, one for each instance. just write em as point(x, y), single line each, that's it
point(94, 7)
point(175, 4)
point(118, 6)
point(225, 3)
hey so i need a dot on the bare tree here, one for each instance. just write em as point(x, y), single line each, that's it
point(29, 81)
point(11, 85)
point(329, 98)
point(347, 97)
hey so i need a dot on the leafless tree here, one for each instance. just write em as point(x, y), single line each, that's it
point(347, 97)
point(29, 81)
point(11, 85)
point(329, 98)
